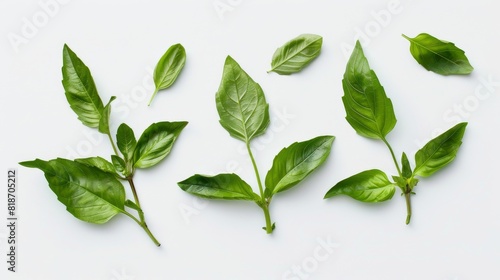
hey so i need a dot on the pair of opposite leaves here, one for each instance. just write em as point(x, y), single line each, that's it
point(289, 168)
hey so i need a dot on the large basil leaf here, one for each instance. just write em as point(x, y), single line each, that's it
point(89, 193)
point(439, 56)
point(296, 162)
point(296, 54)
point(126, 142)
point(104, 122)
point(440, 151)
point(222, 186)
point(368, 109)
point(80, 89)
point(98, 162)
point(241, 103)
point(367, 186)
point(168, 68)
point(156, 142)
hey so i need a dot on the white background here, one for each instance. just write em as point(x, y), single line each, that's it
point(454, 233)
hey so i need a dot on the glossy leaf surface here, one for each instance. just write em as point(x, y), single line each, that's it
point(169, 67)
point(222, 186)
point(241, 103)
point(368, 109)
point(296, 54)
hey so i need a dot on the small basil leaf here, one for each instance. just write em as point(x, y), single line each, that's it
point(222, 186)
point(125, 140)
point(296, 54)
point(294, 163)
point(367, 186)
point(156, 142)
point(80, 89)
point(88, 193)
point(406, 166)
point(130, 204)
point(440, 151)
point(368, 109)
point(241, 103)
point(439, 56)
point(401, 182)
point(168, 68)
point(119, 165)
point(98, 162)
point(104, 122)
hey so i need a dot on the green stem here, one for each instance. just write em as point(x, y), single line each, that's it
point(261, 190)
point(408, 205)
point(393, 157)
point(145, 227)
point(112, 144)
point(152, 97)
point(269, 226)
point(264, 204)
point(142, 222)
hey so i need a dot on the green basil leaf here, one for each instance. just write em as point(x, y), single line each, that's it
point(406, 166)
point(368, 109)
point(104, 122)
point(241, 103)
point(80, 89)
point(168, 68)
point(125, 140)
point(222, 186)
point(296, 54)
point(119, 165)
point(439, 152)
point(130, 204)
point(439, 56)
point(367, 186)
point(98, 162)
point(156, 142)
point(294, 163)
point(88, 193)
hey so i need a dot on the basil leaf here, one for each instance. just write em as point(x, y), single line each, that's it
point(241, 103)
point(168, 68)
point(296, 162)
point(367, 186)
point(156, 142)
point(406, 170)
point(119, 165)
point(439, 56)
point(440, 151)
point(368, 109)
point(296, 54)
point(88, 193)
point(222, 186)
point(130, 204)
point(98, 162)
point(104, 121)
point(125, 140)
point(80, 89)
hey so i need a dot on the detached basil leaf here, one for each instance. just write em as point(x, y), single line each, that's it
point(104, 122)
point(406, 170)
point(80, 89)
point(296, 54)
point(367, 186)
point(439, 56)
point(440, 151)
point(156, 142)
point(88, 193)
point(296, 162)
point(222, 186)
point(98, 162)
point(241, 103)
point(168, 68)
point(125, 140)
point(368, 109)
